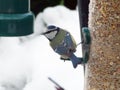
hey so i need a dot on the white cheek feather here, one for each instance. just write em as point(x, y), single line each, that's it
point(51, 35)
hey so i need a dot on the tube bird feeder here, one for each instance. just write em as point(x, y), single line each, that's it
point(103, 67)
point(16, 19)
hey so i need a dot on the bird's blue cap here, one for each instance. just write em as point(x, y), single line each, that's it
point(51, 28)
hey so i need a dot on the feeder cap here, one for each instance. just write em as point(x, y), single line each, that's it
point(14, 6)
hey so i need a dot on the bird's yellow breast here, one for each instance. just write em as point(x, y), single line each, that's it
point(58, 39)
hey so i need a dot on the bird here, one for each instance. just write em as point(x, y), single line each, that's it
point(63, 43)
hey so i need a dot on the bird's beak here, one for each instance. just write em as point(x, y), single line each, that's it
point(43, 33)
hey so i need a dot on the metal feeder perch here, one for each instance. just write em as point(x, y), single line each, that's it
point(85, 33)
point(86, 43)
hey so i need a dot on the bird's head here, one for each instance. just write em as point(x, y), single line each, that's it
point(51, 32)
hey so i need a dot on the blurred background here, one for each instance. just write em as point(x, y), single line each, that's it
point(39, 5)
point(24, 61)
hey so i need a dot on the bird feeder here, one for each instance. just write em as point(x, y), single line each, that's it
point(15, 18)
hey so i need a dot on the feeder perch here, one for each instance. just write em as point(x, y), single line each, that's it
point(86, 43)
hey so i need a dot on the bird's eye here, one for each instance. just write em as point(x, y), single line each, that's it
point(47, 32)
point(67, 34)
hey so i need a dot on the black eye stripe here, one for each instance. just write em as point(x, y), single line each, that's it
point(49, 31)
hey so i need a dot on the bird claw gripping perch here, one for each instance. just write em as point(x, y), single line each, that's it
point(62, 42)
point(86, 43)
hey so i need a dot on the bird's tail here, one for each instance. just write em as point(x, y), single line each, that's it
point(75, 60)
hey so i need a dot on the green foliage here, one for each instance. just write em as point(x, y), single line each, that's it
point(62, 2)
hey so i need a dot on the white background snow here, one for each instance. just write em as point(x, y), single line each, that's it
point(27, 62)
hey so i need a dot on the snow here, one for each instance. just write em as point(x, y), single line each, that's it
point(27, 62)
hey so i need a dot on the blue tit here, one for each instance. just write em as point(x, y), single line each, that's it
point(62, 43)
